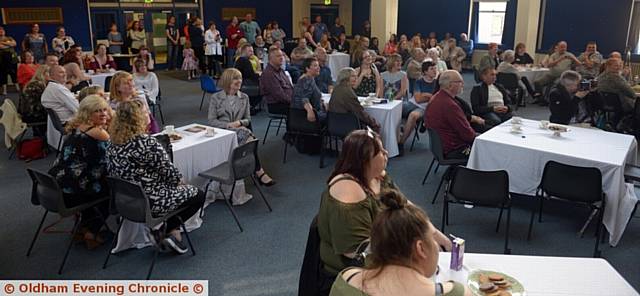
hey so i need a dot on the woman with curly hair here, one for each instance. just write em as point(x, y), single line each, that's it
point(122, 89)
point(81, 167)
point(138, 157)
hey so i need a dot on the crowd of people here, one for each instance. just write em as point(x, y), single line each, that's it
point(111, 135)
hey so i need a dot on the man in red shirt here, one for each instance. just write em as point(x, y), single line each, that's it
point(234, 34)
point(445, 116)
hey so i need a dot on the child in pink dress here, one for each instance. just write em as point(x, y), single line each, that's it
point(190, 62)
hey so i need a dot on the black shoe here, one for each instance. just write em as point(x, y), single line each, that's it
point(157, 238)
point(176, 245)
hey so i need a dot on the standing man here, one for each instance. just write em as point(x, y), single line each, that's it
point(234, 34)
point(336, 30)
point(491, 59)
point(320, 28)
point(173, 39)
point(250, 28)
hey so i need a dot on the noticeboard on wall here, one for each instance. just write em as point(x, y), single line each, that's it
point(27, 15)
point(229, 12)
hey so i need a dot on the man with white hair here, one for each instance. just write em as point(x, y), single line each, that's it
point(447, 118)
point(58, 97)
point(559, 62)
point(506, 66)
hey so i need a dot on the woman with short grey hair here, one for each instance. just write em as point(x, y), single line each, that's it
point(344, 99)
point(506, 66)
point(565, 100)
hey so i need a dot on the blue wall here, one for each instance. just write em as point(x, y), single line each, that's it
point(75, 17)
point(578, 22)
point(440, 16)
point(361, 11)
point(266, 11)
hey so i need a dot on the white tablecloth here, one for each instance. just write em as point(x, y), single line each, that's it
point(545, 276)
point(524, 155)
point(388, 116)
point(100, 78)
point(191, 155)
point(337, 61)
point(532, 73)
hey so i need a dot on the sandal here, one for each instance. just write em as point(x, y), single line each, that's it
point(267, 184)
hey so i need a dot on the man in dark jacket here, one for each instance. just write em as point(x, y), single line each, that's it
point(564, 98)
point(490, 100)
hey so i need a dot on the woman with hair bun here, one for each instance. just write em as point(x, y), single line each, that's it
point(403, 258)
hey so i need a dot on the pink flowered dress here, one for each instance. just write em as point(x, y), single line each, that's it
point(189, 62)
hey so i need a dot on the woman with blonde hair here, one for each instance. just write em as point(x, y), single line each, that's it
point(138, 157)
point(230, 109)
point(122, 89)
point(29, 105)
point(395, 81)
point(81, 168)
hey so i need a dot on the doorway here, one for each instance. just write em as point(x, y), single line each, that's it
point(329, 13)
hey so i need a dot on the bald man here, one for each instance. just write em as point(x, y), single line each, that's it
point(559, 62)
point(57, 96)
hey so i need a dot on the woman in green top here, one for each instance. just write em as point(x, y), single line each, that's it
point(404, 255)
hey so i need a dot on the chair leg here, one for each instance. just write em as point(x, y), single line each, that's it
point(499, 218)
point(186, 233)
point(540, 213)
point(202, 100)
point(59, 143)
point(13, 151)
point(66, 254)
point(206, 190)
point(113, 244)
point(279, 124)
point(428, 171)
point(160, 111)
point(586, 224)
point(435, 196)
point(284, 157)
point(506, 235)
point(235, 217)
point(37, 233)
point(596, 249)
point(437, 167)
point(253, 179)
point(264, 139)
point(413, 141)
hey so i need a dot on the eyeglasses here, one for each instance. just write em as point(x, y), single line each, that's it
point(458, 81)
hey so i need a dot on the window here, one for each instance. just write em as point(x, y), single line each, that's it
point(491, 21)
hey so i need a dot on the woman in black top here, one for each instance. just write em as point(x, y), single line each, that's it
point(196, 36)
point(81, 167)
point(522, 57)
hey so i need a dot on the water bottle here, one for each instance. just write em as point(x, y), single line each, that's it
point(389, 95)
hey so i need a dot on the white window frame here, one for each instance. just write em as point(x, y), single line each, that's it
point(498, 15)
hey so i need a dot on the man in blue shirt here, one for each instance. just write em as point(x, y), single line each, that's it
point(413, 109)
point(324, 81)
point(319, 29)
point(250, 28)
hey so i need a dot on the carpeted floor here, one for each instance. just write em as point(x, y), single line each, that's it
point(265, 259)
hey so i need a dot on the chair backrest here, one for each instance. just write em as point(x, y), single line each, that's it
point(436, 144)
point(129, 200)
point(341, 124)
point(574, 183)
point(57, 124)
point(165, 142)
point(610, 102)
point(207, 84)
point(48, 192)
point(243, 160)
point(297, 122)
point(484, 188)
point(311, 263)
point(508, 80)
point(476, 73)
point(107, 83)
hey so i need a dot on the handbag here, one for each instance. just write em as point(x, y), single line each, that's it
point(31, 149)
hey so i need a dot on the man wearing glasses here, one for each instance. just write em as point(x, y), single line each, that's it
point(447, 118)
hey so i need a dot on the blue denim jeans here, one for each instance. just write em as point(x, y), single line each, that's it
point(172, 56)
point(231, 52)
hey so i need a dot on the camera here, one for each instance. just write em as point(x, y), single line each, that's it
point(585, 85)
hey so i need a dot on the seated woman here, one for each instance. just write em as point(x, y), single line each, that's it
point(395, 81)
point(368, 80)
point(101, 61)
point(345, 100)
point(122, 89)
point(351, 202)
point(325, 43)
point(146, 81)
point(521, 57)
point(506, 66)
point(229, 109)
point(490, 100)
point(29, 106)
point(145, 55)
point(26, 69)
point(74, 66)
point(91, 90)
point(81, 168)
point(137, 157)
point(307, 95)
point(566, 101)
point(398, 264)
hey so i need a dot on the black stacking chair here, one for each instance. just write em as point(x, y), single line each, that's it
point(107, 83)
point(241, 165)
point(45, 192)
point(482, 189)
point(476, 73)
point(339, 125)
point(57, 124)
point(165, 142)
point(298, 125)
point(310, 282)
point(438, 155)
point(416, 133)
point(611, 107)
point(275, 120)
point(579, 185)
point(132, 203)
point(510, 82)
point(30, 125)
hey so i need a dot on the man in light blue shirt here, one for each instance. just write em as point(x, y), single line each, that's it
point(250, 28)
point(319, 29)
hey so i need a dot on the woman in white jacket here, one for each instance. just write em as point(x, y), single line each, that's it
point(213, 49)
